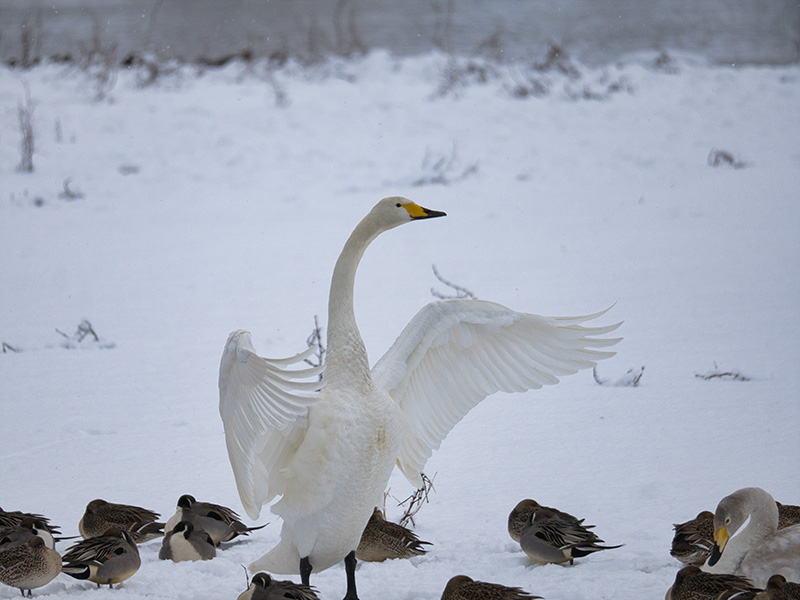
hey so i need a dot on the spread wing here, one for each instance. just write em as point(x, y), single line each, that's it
point(264, 405)
point(454, 353)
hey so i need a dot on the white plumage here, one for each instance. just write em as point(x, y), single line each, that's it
point(747, 540)
point(329, 452)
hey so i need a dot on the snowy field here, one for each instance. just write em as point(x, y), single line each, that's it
point(169, 214)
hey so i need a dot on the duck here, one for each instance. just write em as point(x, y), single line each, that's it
point(185, 542)
point(100, 515)
point(220, 522)
point(788, 515)
point(779, 589)
point(692, 583)
point(747, 540)
point(384, 540)
point(264, 587)
point(12, 518)
point(521, 515)
point(694, 539)
point(29, 566)
point(106, 559)
point(327, 447)
point(28, 527)
point(462, 587)
point(552, 536)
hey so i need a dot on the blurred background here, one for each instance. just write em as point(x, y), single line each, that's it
point(215, 31)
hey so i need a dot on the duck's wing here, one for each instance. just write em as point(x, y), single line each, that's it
point(264, 405)
point(454, 353)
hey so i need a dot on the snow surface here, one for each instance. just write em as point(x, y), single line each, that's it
point(218, 200)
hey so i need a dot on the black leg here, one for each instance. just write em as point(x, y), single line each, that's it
point(305, 570)
point(350, 570)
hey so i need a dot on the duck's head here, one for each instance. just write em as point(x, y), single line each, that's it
point(186, 501)
point(396, 210)
point(261, 580)
point(95, 505)
point(185, 528)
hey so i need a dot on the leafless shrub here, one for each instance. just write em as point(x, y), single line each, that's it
point(717, 373)
point(84, 329)
point(443, 169)
point(84, 333)
point(492, 47)
point(631, 378)
point(536, 77)
point(721, 158)
point(348, 38)
point(557, 59)
point(415, 501)
point(459, 73)
point(460, 292)
point(30, 42)
point(26, 144)
point(665, 63)
point(100, 61)
point(68, 193)
point(600, 90)
point(149, 67)
point(279, 92)
point(443, 23)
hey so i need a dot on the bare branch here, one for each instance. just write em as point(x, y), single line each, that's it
point(416, 500)
point(461, 292)
point(26, 144)
point(315, 339)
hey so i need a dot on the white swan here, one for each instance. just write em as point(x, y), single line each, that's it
point(329, 454)
point(747, 540)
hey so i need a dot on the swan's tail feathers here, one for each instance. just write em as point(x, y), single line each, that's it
point(263, 404)
point(281, 560)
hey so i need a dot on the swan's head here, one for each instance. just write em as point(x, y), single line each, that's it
point(396, 210)
point(735, 513)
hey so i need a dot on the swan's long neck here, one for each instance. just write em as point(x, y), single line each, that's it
point(347, 361)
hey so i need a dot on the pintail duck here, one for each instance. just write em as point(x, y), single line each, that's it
point(264, 587)
point(780, 589)
point(691, 583)
point(11, 519)
point(383, 540)
point(462, 587)
point(29, 566)
point(553, 536)
point(186, 543)
point(105, 559)
point(101, 515)
point(694, 539)
point(16, 535)
point(220, 522)
point(747, 540)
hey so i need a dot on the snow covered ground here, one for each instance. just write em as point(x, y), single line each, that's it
point(208, 202)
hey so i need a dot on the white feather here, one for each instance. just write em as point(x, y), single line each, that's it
point(263, 410)
point(329, 454)
point(454, 353)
